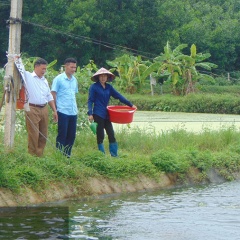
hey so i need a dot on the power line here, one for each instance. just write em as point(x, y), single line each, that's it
point(91, 40)
point(107, 44)
point(3, 3)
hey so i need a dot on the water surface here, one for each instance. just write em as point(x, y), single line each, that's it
point(195, 122)
point(206, 212)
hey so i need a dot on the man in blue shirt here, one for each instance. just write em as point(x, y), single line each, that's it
point(98, 99)
point(64, 89)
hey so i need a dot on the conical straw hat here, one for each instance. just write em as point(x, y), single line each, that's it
point(103, 71)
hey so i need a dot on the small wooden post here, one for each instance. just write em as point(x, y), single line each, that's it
point(152, 82)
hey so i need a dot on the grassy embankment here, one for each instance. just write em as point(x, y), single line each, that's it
point(141, 152)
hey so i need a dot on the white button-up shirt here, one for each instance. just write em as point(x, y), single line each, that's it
point(37, 88)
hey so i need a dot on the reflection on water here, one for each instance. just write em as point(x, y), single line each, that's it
point(34, 222)
point(195, 213)
point(210, 212)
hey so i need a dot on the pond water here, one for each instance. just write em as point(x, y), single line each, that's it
point(194, 213)
point(195, 122)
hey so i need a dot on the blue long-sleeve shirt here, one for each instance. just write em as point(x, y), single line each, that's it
point(99, 97)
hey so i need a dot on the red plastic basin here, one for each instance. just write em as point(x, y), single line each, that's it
point(121, 114)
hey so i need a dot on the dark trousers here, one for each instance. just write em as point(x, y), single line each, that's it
point(104, 124)
point(67, 127)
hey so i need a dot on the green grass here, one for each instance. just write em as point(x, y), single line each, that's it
point(141, 152)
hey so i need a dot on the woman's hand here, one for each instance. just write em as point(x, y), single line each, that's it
point(90, 118)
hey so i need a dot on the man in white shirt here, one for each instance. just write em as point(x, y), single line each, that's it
point(37, 118)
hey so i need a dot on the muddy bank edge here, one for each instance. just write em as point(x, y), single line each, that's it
point(99, 186)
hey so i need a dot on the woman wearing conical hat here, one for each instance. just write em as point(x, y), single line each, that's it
point(98, 99)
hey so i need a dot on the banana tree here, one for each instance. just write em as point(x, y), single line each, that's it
point(189, 65)
point(129, 69)
point(167, 66)
point(180, 69)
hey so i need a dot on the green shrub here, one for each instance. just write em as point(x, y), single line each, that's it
point(225, 103)
point(29, 175)
point(169, 162)
point(229, 160)
point(202, 160)
point(118, 167)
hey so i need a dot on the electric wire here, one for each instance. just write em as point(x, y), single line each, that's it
point(109, 45)
point(92, 40)
point(112, 46)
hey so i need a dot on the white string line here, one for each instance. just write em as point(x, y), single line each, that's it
point(47, 139)
point(11, 58)
point(37, 130)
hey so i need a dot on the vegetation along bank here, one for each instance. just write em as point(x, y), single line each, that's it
point(146, 160)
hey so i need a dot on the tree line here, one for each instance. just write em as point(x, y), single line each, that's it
point(101, 30)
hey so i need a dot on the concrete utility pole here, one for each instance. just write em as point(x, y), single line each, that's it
point(12, 77)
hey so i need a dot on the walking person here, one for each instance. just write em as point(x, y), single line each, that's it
point(64, 89)
point(39, 95)
point(98, 100)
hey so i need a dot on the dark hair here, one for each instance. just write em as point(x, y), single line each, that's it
point(40, 61)
point(70, 60)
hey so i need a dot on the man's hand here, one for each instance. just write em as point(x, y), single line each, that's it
point(55, 116)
